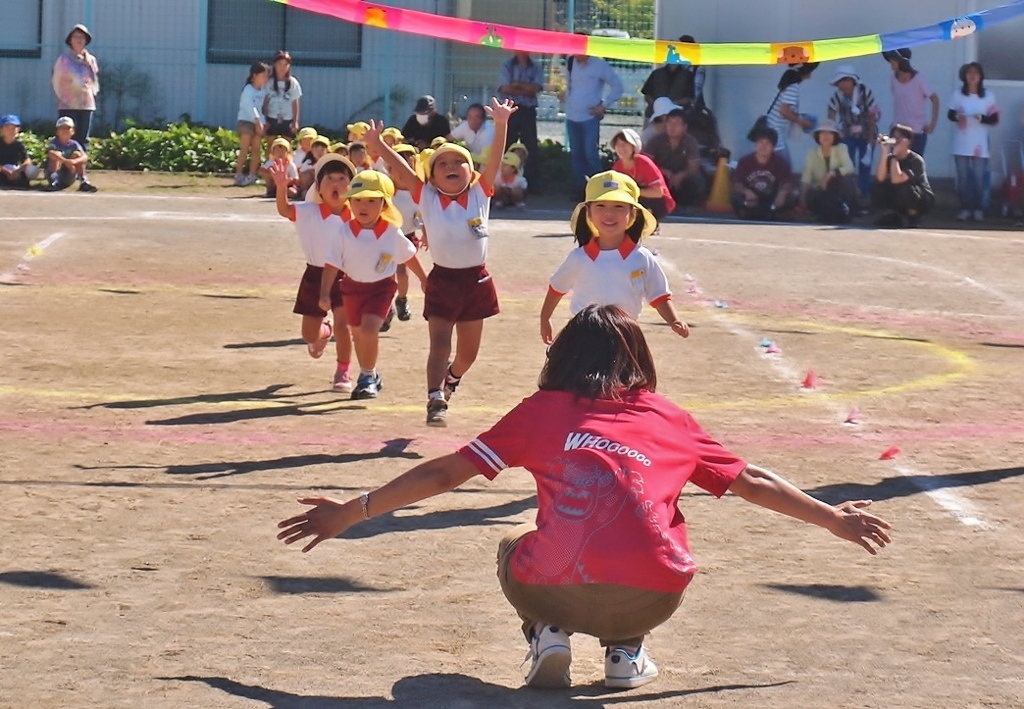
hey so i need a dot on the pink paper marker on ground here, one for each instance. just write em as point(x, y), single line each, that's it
point(889, 453)
point(853, 416)
point(772, 349)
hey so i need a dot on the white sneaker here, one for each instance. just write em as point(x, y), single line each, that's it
point(625, 670)
point(979, 215)
point(963, 215)
point(552, 656)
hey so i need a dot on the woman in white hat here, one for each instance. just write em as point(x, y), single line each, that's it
point(856, 114)
point(76, 82)
point(828, 187)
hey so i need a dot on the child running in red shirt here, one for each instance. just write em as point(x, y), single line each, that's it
point(369, 250)
point(455, 203)
point(319, 221)
point(610, 267)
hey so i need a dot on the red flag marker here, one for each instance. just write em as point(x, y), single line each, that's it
point(889, 453)
point(811, 381)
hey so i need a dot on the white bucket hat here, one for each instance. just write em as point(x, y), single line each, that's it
point(844, 71)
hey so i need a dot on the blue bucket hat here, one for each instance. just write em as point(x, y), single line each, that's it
point(10, 119)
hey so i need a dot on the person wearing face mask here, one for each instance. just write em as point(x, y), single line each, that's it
point(425, 124)
point(76, 82)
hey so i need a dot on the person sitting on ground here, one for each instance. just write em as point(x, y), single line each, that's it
point(511, 185)
point(608, 555)
point(425, 123)
point(16, 168)
point(828, 188)
point(677, 155)
point(281, 150)
point(66, 158)
point(475, 132)
point(901, 181)
point(654, 192)
point(763, 184)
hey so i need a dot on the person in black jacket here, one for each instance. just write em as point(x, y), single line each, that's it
point(425, 124)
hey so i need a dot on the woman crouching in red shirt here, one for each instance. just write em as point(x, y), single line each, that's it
point(608, 555)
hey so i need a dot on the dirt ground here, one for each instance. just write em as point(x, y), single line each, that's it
point(158, 416)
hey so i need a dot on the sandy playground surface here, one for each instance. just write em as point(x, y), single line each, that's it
point(158, 415)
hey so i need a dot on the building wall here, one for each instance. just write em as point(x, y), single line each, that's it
point(166, 42)
point(739, 94)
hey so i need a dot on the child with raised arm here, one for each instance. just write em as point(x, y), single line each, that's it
point(610, 267)
point(369, 250)
point(319, 222)
point(455, 203)
point(609, 555)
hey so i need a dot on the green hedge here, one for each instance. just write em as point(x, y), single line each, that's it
point(181, 147)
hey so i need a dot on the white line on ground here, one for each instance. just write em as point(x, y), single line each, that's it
point(958, 277)
point(961, 508)
point(33, 251)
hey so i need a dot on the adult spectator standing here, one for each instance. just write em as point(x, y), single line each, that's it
point(585, 106)
point(910, 92)
point(521, 80)
point(76, 82)
point(785, 114)
point(476, 132)
point(901, 182)
point(974, 110)
point(856, 114)
point(682, 83)
point(677, 155)
point(763, 184)
point(425, 123)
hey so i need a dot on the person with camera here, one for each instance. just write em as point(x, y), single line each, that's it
point(901, 183)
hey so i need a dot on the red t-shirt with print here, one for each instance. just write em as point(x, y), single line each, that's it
point(645, 173)
point(609, 475)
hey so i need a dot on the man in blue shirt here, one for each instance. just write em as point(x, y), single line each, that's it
point(585, 105)
point(521, 80)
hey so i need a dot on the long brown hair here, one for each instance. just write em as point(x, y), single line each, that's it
point(600, 354)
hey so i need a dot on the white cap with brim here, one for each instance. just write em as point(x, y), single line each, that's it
point(662, 107)
point(844, 71)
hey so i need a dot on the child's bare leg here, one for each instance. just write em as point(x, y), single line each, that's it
point(256, 155)
point(440, 351)
point(467, 346)
point(402, 275)
point(342, 337)
point(367, 342)
point(314, 329)
point(244, 143)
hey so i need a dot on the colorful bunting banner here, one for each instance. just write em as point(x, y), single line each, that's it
point(644, 50)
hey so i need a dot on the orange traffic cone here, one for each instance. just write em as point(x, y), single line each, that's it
point(720, 199)
point(811, 381)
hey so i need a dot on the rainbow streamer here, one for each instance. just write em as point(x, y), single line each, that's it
point(645, 50)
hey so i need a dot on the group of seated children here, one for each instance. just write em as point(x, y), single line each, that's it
point(300, 160)
point(65, 158)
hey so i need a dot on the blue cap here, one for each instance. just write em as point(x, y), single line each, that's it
point(11, 118)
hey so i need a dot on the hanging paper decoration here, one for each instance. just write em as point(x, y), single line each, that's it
point(649, 51)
